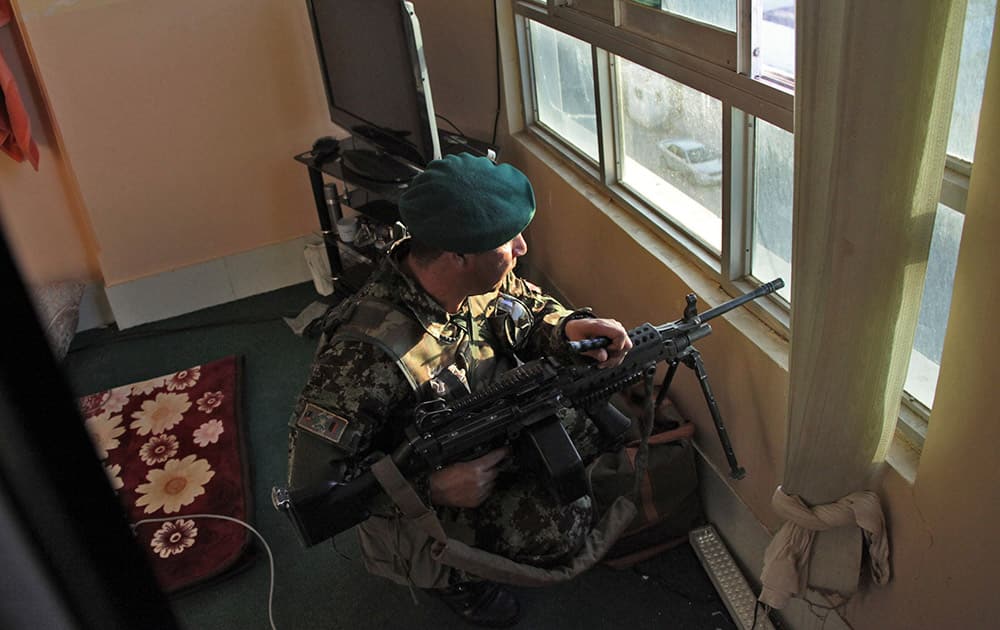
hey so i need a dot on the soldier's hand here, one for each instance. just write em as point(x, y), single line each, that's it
point(588, 328)
point(466, 484)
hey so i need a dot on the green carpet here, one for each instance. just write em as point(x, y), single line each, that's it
point(326, 587)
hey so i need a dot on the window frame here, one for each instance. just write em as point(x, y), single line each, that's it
point(531, 120)
point(914, 415)
point(695, 244)
point(720, 64)
point(585, 20)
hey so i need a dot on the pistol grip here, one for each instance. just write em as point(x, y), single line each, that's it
point(610, 422)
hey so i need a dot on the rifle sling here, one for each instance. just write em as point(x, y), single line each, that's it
point(491, 566)
point(406, 498)
point(646, 420)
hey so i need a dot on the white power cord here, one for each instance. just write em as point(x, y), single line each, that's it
point(267, 548)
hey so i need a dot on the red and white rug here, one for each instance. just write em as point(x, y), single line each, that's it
point(172, 448)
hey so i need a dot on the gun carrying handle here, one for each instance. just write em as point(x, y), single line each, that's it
point(612, 423)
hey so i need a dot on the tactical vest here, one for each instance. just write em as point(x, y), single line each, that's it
point(443, 361)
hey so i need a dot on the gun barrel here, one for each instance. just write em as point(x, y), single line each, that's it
point(600, 342)
point(762, 290)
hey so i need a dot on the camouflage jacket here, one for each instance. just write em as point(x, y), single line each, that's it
point(364, 398)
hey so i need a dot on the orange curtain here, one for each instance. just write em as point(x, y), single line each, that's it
point(15, 127)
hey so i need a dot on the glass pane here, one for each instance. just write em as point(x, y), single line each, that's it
point(563, 74)
point(925, 360)
point(774, 47)
point(771, 253)
point(721, 13)
point(672, 149)
point(971, 77)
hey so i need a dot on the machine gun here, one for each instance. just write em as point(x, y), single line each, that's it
point(522, 409)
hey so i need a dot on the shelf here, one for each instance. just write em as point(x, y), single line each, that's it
point(389, 191)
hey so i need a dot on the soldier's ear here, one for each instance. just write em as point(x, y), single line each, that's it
point(460, 261)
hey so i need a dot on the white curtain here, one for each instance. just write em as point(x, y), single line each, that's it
point(874, 87)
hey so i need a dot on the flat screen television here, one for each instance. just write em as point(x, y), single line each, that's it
point(372, 60)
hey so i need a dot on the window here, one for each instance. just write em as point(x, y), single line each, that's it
point(773, 57)
point(663, 139)
point(971, 77)
point(720, 13)
point(687, 119)
point(925, 359)
point(771, 252)
point(563, 82)
point(671, 137)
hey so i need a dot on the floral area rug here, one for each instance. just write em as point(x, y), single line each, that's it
point(172, 447)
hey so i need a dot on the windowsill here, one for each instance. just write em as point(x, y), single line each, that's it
point(700, 220)
point(903, 457)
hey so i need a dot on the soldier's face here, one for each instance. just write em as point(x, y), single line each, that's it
point(488, 269)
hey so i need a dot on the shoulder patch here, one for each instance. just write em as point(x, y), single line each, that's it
point(326, 425)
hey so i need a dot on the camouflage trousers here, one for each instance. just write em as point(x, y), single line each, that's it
point(522, 521)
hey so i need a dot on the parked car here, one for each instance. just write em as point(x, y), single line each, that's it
point(693, 160)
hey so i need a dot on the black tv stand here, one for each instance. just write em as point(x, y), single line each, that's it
point(376, 167)
point(372, 173)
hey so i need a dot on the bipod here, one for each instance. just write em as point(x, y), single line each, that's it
point(692, 359)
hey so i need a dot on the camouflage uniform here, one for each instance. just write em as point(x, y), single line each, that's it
point(360, 389)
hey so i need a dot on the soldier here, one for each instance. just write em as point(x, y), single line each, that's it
point(445, 314)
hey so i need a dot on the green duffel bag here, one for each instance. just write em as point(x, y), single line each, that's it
point(667, 501)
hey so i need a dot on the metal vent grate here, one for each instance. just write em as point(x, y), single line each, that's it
point(729, 581)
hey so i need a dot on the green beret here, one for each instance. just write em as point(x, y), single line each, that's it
point(467, 204)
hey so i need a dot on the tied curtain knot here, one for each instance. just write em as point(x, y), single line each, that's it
point(786, 560)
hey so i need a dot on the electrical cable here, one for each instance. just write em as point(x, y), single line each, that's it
point(454, 126)
point(267, 548)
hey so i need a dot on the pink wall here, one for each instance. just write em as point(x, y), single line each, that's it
point(43, 219)
point(180, 120)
